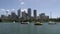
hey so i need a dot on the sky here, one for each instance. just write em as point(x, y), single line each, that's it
point(42, 6)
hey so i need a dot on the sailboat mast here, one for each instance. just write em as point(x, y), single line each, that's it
point(50, 14)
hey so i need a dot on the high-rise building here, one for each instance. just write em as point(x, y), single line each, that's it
point(35, 13)
point(6, 13)
point(2, 16)
point(24, 16)
point(42, 15)
point(13, 15)
point(19, 13)
point(29, 13)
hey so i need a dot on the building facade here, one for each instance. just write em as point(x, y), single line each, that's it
point(35, 14)
point(19, 13)
point(29, 13)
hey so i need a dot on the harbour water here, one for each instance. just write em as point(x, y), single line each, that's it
point(17, 28)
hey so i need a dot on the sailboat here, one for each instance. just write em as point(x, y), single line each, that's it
point(38, 23)
point(24, 22)
point(51, 22)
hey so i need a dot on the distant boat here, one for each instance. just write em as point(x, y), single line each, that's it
point(13, 21)
point(50, 22)
point(24, 22)
point(38, 23)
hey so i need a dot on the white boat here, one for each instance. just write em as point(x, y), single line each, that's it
point(38, 23)
point(13, 21)
point(50, 22)
point(24, 22)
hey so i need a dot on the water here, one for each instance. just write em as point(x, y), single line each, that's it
point(17, 28)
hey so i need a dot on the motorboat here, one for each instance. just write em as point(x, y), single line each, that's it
point(38, 23)
point(50, 22)
point(24, 22)
point(13, 21)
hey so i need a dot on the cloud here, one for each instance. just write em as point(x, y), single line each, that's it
point(13, 9)
point(7, 10)
point(24, 10)
point(22, 3)
point(2, 9)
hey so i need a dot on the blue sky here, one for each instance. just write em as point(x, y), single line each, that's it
point(42, 6)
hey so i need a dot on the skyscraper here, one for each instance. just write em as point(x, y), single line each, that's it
point(13, 15)
point(19, 13)
point(35, 14)
point(6, 13)
point(24, 15)
point(42, 15)
point(29, 13)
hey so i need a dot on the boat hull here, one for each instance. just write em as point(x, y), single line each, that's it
point(51, 23)
point(38, 24)
point(24, 23)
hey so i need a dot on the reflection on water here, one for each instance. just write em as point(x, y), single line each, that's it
point(17, 28)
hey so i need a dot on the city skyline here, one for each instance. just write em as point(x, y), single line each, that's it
point(42, 6)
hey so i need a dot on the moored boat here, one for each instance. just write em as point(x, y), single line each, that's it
point(13, 21)
point(24, 22)
point(51, 22)
point(38, 23)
